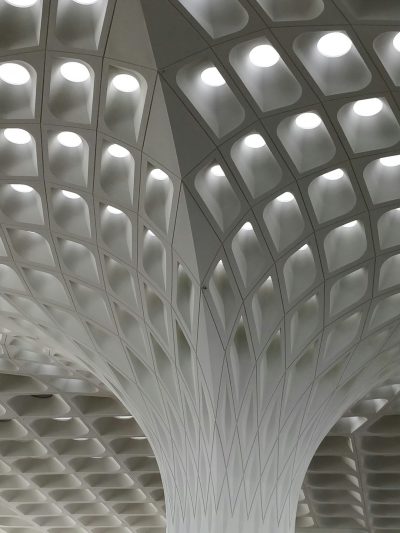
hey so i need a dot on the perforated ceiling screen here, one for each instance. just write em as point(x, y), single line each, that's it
point(352, 481)
point(199, 204)
point(73, 459)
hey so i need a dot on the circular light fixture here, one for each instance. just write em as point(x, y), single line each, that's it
point(217, 171)
point(390, 161)
point(69, 139)
point(21, 187)
point(211, 76)
point(308, 121)
point(158, 174)
point(21, 3)
point(75, 71)
point(285, 197)
point(113, 210)
point(17, 136)
point(264, 55)
point(254, 141)
point(334, 44)
point(70, 195)
point(396, 41)
point(334, 175)
point(247, 226)
point(14, 74)
point(350, 224)
point(116, 150)
point(368, 107)
point(125, 83)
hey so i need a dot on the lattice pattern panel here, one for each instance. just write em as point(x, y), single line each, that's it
point(73, 460)
point(352, 483)
point(200, 201)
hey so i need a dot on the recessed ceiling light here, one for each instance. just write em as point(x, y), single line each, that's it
point(126, 83)
point(63, 418)
point(85, 2)
point(334, 174)
point(21, 187)
point(396, 41)
point(368, 107)
point(17, 136)
point(81, 438)
point(247, 226)
point(69, 139)
point(254, 141)
point(217, 171)
point(390, 161)
point(334, 44)
point(150, 233)
point(350, 224)
point(285, 197)
point(70, 195)
point(124, 417)
point(264, 55)
point(116, 150)
point(113, 210)
point(14, 74)
point(21, 3)
point(158, 174)
point(140, 438)
point(304, 248)
point(308, 121)
point(211, 76)
point(75, 71)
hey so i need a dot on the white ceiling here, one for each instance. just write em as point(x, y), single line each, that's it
point(352, 481)
point(72, 458)
point(231, 293)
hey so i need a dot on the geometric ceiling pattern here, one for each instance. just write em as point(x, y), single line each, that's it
point(72, 458)
point(199, 201)
point(352, 483)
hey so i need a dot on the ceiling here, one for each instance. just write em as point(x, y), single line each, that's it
point(352, 483)
point(199, 205)
point(72, 458)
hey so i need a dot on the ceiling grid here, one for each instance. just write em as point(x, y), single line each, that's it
point(199, 202)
